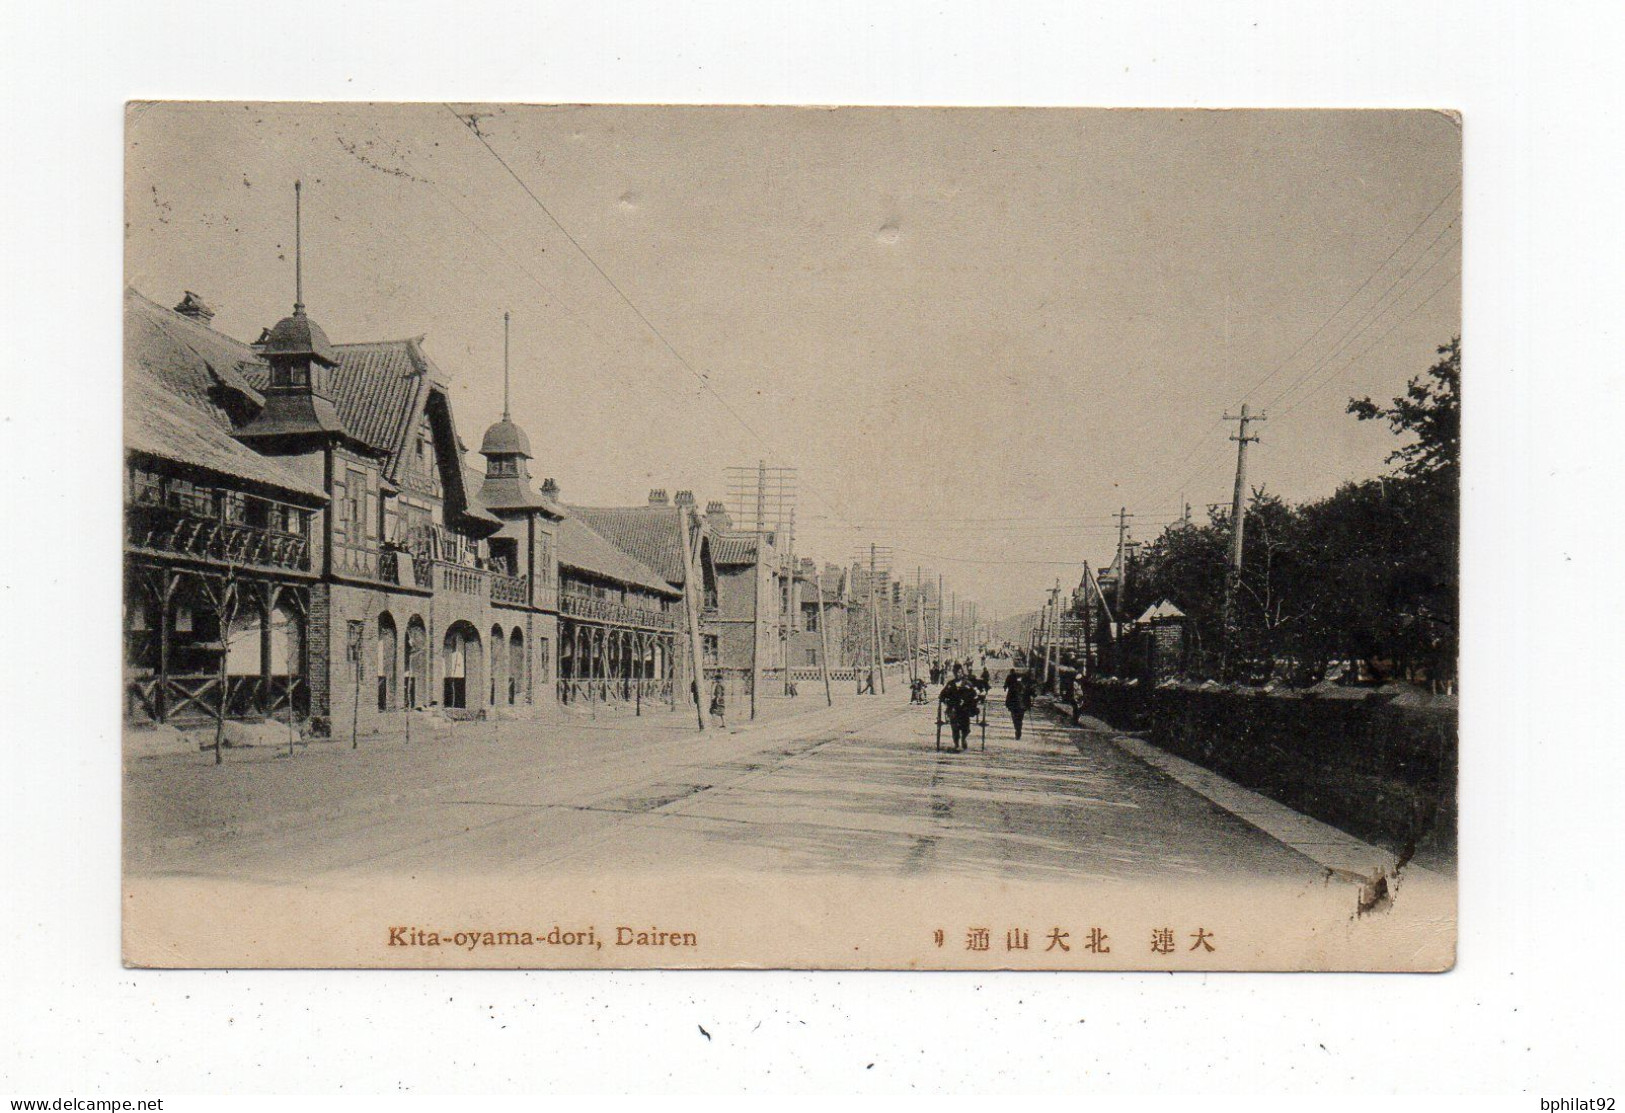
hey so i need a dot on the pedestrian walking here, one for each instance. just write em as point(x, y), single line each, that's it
point(1017, 697)
point(959, 699)
point(719, 700)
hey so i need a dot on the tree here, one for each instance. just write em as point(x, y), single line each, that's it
point(1426, 498)
point(1368, 573)
point(1430, 410)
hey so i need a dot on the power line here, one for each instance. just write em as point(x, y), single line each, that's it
point(992, 562)
point(1367, 349)
point(1451, 192)
point(471, 124)
point(1361, 324)
point(1373, 314)
point(1201, 441)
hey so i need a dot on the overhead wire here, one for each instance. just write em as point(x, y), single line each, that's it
point(704, 382)
point(1211, 456)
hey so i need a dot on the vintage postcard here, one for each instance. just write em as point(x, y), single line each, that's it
point(709, 537)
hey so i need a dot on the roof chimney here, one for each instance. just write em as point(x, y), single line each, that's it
point(717, 516)
point(192, 306)
point(684, 498)
point(550, 488)
point(657, 497)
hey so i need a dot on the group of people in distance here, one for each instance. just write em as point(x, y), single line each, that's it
point(964, 692)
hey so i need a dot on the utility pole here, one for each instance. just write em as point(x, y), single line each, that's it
point(1238, 523)
point(761, 593)
point(919, 620)
point(823, 638)
point(877, 684)
point(1088, 623)
point(693, 600)
point(792, 603)
point(1040, 647)
point(1122, 555)
point(1054, 650)
point(937, 631)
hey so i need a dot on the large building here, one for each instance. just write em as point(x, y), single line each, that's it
point(303, 533)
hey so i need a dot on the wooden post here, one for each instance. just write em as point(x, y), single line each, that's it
point(692, 601)
point(225, 611)
point(355, 706)
point(166, 596)
point(823, 638)
point(756, 622)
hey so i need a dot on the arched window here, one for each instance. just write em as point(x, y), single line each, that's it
point(463, 665)
point(416, 640)
point(387, 661)
point(499, 670)
point(516, 664)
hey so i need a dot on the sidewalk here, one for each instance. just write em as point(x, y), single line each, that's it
point(1336, 851)
point(176, 801)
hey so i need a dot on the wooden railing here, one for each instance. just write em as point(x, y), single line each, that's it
point(172, 531)
point(196, 697)
point(617, 614)
point(508, 589)
point(615, 690)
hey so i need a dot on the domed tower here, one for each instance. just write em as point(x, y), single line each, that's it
point(506, 449)
point(298, 402)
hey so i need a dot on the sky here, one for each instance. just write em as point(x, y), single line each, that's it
point(976, 333)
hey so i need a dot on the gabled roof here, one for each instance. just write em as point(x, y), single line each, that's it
point(161, 423)
point(210, 370)
point(649, 534)
point(1161, 609)
point(584, 550)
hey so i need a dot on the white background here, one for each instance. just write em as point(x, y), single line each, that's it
point(1534, 1006)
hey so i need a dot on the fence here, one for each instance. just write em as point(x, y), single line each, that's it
point(1379, 767)
point(615, 691)
point(848, 674)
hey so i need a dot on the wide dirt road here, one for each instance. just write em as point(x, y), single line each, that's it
point(855, 790)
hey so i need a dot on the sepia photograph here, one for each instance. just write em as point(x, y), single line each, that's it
point(790, 537)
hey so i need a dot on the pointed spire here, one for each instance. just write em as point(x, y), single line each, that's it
point(505, 365)
point(298, 259)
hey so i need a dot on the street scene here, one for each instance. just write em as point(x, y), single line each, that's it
point(989, 499)
point(831, 790)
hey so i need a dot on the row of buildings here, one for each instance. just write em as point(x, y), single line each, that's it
point(306, 534)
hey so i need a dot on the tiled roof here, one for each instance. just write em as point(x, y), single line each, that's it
point(189, 358)
point(647, 533)
point(735, 548)
point(159, 423)
point(584, 550)
point(473, 507)
point(378, 389)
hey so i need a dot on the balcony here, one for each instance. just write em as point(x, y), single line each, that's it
point(180, 533)
point(459, 579)
point(615, 614)
point(508, 589)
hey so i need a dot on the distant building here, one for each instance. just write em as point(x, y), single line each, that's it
point(805, 644)
point(652, 535)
